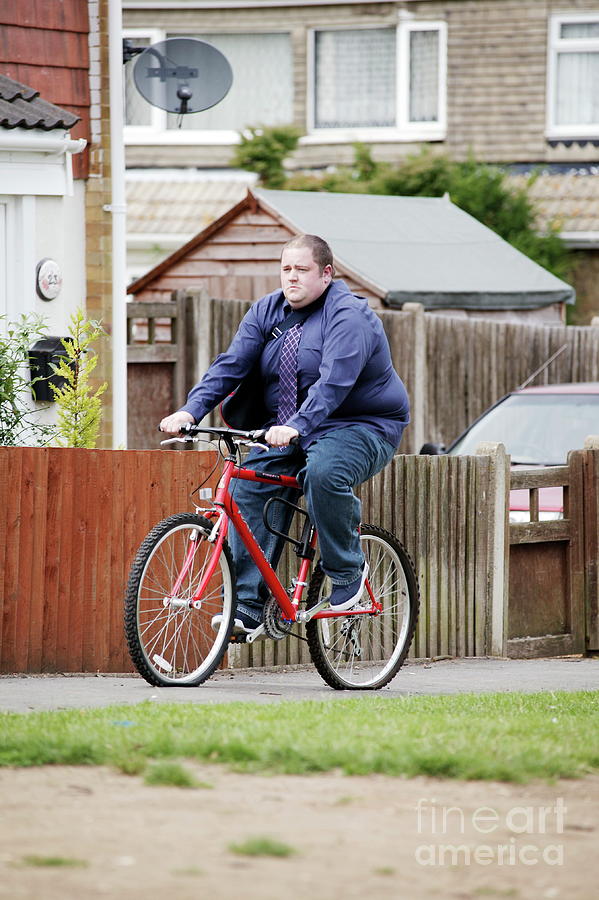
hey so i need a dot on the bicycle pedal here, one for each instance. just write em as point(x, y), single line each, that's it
point(238, 639)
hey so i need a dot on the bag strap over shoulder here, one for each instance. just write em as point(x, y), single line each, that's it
point(294, 317)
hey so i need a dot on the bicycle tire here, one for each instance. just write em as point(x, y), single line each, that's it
point(170, 643)
point(366, 652)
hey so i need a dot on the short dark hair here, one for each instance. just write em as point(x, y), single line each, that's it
point(321, 252)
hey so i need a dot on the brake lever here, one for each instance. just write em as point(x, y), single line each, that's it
point(175, 440)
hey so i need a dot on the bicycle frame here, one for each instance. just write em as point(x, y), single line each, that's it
point(225, 510)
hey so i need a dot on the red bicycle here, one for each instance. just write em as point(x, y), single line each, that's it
point(183, 576)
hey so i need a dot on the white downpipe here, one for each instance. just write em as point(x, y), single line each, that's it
point(119, 230)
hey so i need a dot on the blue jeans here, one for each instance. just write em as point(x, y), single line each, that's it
point(330, 468)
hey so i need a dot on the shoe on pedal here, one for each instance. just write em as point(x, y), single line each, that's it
point(247, 619)
point(345, 596)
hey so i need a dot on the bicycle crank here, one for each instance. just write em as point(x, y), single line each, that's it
point(275, 625)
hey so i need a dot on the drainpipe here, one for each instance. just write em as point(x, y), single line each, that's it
point(119, 228)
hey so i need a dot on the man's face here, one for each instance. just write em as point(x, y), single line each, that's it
point(301, 279)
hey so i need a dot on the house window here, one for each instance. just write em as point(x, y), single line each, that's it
point(354, 78)
point(138, 113)
point(137, 110)
point(261, 93)
point(573, 89)
point(380, 79)
point(262, 89)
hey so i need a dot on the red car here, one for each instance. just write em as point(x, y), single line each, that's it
point(538, 426)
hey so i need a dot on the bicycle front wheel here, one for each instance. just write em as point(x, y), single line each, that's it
point(365, 652)
point(170, 641)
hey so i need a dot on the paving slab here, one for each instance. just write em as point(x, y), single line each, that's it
point(27, 693)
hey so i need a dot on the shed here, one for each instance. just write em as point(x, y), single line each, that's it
point(392, 250)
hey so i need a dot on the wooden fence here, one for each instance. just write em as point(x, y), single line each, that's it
point(553, 604)
point(71, 521)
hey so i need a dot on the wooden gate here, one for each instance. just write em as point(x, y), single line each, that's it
point(553, 593)
point(156, 367)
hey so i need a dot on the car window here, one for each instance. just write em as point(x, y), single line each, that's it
point(537, 429)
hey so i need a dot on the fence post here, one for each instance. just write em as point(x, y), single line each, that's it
point(497, 503)
point(418, 375)
point(591, 540)
point(180, 338)
point(198, 331)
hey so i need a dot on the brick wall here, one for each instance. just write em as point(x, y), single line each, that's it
point(98, 195)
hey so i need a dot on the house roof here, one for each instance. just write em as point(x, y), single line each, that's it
point(567, 200)
point(405, 249)
point(421, 249)
point(22, 107)
point(179, 202)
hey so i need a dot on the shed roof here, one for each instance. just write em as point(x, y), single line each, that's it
point(403, 249)
point(22, 107)
point(423, 249)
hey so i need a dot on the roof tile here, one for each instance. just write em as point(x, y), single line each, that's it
point(570, 201)
point(22, 107)
point(179, 206)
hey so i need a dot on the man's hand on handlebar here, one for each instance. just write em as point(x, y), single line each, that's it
point(172, 424)
point(280, 435)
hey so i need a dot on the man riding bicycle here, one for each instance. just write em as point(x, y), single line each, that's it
point(329, 387)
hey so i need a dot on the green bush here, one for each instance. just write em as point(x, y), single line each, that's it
point(79, 409)
point(263, 150)
point(18, 425)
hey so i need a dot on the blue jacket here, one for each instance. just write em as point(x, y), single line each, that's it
point(345, 372)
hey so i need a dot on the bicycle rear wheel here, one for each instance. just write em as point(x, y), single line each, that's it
point(365, 652)
point(170, 642)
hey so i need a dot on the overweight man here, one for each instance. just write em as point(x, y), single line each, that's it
point(328, 382)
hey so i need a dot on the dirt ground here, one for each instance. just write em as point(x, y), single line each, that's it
point(374, 837)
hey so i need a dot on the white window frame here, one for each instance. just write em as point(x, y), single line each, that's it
point(157, 132)
point(557, 45)
point(141, 133)
point(404, 130)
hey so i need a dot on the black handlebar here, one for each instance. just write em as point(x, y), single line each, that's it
point(229, 434)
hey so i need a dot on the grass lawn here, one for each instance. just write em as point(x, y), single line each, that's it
point(507, 737)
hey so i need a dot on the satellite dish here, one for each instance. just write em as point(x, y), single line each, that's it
point(182, 75)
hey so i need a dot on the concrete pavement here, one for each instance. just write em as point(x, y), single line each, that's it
point(451, 676)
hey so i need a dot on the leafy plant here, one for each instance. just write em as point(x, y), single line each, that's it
point(263, 150)
point(18, 425)
point(79, 408)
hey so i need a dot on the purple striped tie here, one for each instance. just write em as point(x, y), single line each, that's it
point(288, 374)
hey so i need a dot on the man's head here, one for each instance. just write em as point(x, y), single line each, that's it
point(306, 269)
